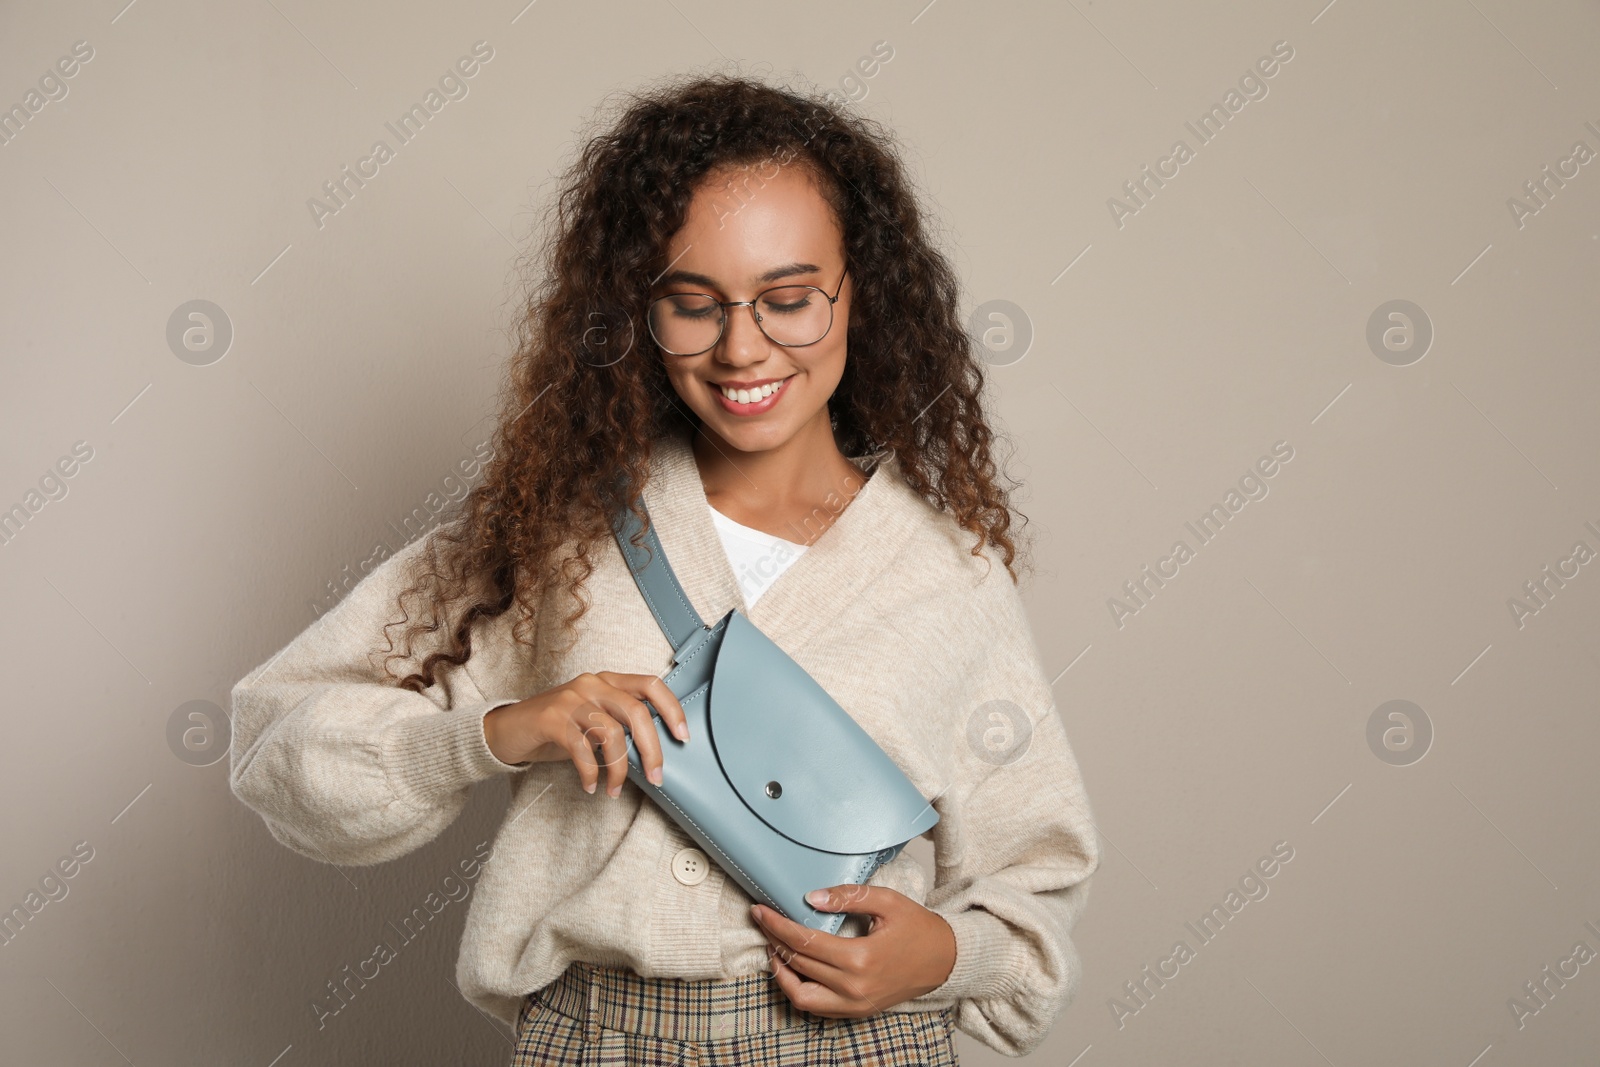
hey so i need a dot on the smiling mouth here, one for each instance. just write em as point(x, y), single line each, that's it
point(751, 401)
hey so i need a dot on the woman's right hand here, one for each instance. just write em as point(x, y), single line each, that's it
point(569, 721)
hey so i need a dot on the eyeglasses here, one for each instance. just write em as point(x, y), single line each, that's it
point(687, 324)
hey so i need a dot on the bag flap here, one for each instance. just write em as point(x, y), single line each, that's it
point(772, 724)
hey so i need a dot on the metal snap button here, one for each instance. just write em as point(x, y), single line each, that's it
point(690, 866)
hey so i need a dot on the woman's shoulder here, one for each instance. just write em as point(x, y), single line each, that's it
point(940, 553)
point(959, 610)
point(945, 543)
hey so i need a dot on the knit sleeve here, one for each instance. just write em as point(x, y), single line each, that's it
point(1015, 847)
point(344, 765)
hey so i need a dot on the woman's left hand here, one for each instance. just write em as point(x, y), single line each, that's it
point(908, 951)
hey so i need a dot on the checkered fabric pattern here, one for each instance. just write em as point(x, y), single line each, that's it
point(611, 1017)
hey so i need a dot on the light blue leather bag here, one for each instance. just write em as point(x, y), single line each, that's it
point(780, 786)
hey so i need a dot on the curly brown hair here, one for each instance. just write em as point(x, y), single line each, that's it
point(577, 421)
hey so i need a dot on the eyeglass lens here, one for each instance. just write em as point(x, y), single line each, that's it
point(690, 323)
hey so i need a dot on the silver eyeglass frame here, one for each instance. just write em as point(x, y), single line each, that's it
point(724, 305)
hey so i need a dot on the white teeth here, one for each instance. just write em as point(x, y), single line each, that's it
point(748, 396)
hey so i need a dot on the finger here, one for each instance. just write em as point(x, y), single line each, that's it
point(578, 745)
point(651, 688)
point(666, 702)
point(628, 697)
point(604, 731)
point(809, 966)
point(856, 899)
point(816, 995)
point(801, 938)
point(635, 714)
point(779, 945)
point(798, 962)
point(847, 986)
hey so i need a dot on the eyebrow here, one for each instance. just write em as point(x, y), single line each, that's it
point(692, 277)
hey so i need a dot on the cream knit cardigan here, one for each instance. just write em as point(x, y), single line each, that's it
point(925, 645)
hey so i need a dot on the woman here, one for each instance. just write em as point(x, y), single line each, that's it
point(743, 321)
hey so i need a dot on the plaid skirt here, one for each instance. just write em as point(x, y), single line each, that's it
point(611, 1017)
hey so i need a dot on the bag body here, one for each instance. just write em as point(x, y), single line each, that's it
point(780, 786)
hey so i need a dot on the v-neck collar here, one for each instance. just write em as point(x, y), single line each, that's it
point(811, 592)
point(725, 524)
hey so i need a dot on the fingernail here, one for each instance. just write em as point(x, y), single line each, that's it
point(590, 787)
point(755, 912)
point(655, 775)
point(614, 792)
point(680, 731)
point(817, 897)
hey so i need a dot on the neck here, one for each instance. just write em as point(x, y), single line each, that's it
point(768, 485)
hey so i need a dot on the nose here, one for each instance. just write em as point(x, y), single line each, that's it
point(742, 342)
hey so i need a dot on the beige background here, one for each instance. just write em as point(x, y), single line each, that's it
point(1229, 313)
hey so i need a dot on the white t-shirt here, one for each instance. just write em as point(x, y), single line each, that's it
point(757, 557)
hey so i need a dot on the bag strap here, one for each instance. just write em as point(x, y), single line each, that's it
point(653, 574)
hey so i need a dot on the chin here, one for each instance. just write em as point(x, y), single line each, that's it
point(749, 437)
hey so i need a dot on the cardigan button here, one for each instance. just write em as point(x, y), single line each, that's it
point(690, 866)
